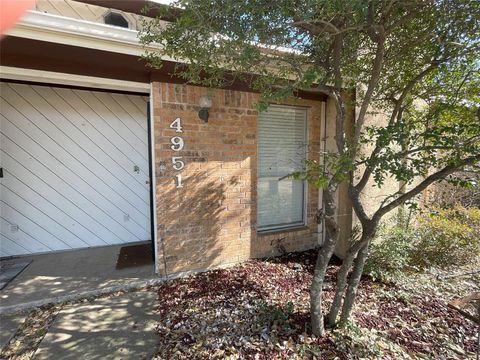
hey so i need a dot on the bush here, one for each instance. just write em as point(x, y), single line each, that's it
point(389, 253)
point(441, 238)
point(274, 316)
point(447, 237)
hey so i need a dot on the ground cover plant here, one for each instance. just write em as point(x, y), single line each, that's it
point(443, 238)
point(260, 310)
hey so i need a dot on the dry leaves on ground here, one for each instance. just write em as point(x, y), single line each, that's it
point(259, 310)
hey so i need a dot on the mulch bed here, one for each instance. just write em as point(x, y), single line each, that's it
point(260, 310)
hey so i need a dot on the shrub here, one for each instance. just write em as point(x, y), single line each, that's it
point(447, 237)
point(441, 238)
point(275, 316)
point(389, 254)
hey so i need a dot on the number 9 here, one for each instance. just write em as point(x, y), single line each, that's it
point(177, 143)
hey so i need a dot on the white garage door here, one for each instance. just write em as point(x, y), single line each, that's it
point(75, 169)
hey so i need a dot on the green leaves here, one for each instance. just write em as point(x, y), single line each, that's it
point(332, 169)
point(448, 237)
point(427, 93)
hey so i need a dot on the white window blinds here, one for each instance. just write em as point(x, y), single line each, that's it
point(281, 150)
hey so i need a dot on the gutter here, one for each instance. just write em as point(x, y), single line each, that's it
point(64, 30)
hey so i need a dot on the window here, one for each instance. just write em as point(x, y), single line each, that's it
point(281, 150)
point(116, 19)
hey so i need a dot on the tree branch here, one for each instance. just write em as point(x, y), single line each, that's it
point(357, 205)
point(398, 104)
point(312, 26)
point(337, 58)
point(439, 175)
point(376, 71)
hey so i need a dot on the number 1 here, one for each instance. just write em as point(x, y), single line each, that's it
point(179, 181)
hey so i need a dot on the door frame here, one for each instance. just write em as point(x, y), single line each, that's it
point(81, 82)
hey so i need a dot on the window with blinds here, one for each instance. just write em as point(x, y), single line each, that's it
point(281, 150)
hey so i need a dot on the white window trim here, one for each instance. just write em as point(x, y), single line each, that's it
point(303, 223)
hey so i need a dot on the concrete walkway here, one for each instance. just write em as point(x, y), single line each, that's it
point(8, 327)
point(62, 276)
point(117, 327)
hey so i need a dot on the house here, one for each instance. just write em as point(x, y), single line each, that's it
point(99, 149)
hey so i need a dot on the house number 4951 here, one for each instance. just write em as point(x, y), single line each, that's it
point(177, 145)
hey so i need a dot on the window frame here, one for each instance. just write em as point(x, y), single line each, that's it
point(291, 226)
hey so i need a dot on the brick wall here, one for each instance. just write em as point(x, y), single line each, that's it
point(211, 220)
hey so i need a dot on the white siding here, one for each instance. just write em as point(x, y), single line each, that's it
point(82, 11)
point(68, 159)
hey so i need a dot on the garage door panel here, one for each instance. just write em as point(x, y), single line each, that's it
point(137, 101)
point(9, 247)
point(73, 187)
point(63, 139)
point(104, 100)
point(129, 107)
point(21, 238)
point(102, 144)
point(55, 158)
point(68, 184)
point(102, 125)
point(36, 136)
point(47, 222)
point(99, 146)
point(32, 227)
point(70, 204)
point(111, 118)
point(46, 206)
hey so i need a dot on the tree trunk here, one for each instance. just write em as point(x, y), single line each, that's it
point(340, 287)
point(353, 283)
point(324, 255)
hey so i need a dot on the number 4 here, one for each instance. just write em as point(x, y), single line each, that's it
point(176, 124)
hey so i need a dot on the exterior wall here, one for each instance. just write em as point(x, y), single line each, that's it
point(372, 195)
point(344, 207)
point(211, 220)
point(72, 9)
point(82, 11)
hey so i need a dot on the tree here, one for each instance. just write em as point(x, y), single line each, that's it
point(415, 61)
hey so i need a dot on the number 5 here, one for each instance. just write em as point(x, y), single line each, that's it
point(177, 163)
